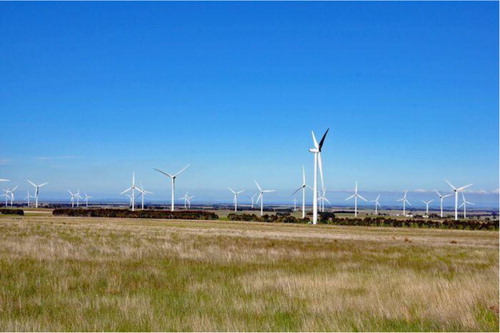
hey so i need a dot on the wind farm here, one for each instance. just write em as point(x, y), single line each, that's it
point(249, 166)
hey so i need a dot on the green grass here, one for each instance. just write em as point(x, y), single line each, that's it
point(84, 274)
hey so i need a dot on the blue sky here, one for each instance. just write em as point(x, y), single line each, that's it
point(90, 92)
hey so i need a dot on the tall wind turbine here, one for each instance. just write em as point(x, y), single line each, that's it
point(355, 196)
point(253, 197)
point(317, 161)
point(132, 190)
point(464, 204)
point(303, 188)
point(7, 197)
point(427, 206)
point(189, 197)
point(37, 190)
point(456, 190)
point(73, 197)
point(261, 197)
point(405, 201)
point(441, 197)
point(235, 199)
point(377, 204)
point(186, 199)
point(172, 177)
point(28, 196)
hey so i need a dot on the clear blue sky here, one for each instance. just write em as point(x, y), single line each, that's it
point(90, 92)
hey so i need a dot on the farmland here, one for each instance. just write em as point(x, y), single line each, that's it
point(62, 273)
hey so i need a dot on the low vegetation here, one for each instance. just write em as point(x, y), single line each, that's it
point(11, 211)
point(106, 274)
point(150, 214)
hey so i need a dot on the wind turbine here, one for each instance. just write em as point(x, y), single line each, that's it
point(253, 197)
point(142, 193)
point(317, 161)
point(465, 203)
point(322, 198)
point(355, 196)
point(11, 194)
point(73, 196)
point(132, 190)
point(172, 177)
point(303, 188)
point(189, 201)
point(37, 190)
point(261, 197)
point(377, 204)
point(28, 196)
point(235, 199)
point(427, 206)
point(186, 199)
point(7, 197)
point(405, 201)
point(456, 190)
point(294, 204)
point(441, 197)
point(87, 197)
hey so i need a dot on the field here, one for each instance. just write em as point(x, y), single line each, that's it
point(92, 274)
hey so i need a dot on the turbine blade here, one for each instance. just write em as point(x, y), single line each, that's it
point(178, 173)
point(257, 185)
point(29, 181)
point(166, 174)
point(323, 140)
point(230, 189)
point(352, 196)
point(359, 195)
point(463, 187)
point(439, 194)
point(43, 184)
point(453, 187)
point(314, 140)
point(300, 188)
point(303, 175)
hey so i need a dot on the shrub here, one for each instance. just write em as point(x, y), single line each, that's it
point(11, 211)
point(149, 214)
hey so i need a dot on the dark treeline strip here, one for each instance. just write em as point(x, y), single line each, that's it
point(329, 218)
point(149, 214)
point(11, 211)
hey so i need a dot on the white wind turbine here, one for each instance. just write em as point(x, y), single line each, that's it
point(235, 199)
point(87, 197)
point(377, 204)
point(405, 201)
point(252, 198)
point(28, 196)
point(37, 190)
point(7, 197)
point(322, 198)
point(186, 199)
point(261, 197)
point(464, 204)
point(189, 200)
point(132, 190)
point(172, 177)
point(456, 190)
point(294, 204)
point(427, 206)
point(317, 162)
point(303, 188)
point(73, 196)
point(356, 195)
point(441, 197)
point(142, 193)
point(11, 194)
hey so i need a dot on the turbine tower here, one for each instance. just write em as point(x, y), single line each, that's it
point(456, 190)
point(427, 206)
point(377, 204)
point(317, 162)
point(355, 196)
point(172, 177)
point(464, 204)
point(37, 190)
point(303, 188)
point(405, 201)
point(441, 197)
point(322, 198)
point(235, 199)
point(132, 189)
point(261, 197)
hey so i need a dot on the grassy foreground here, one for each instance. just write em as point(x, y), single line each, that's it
point(91, 274)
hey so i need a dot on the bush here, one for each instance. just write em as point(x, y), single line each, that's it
point(280, 218)
point(11, 211)
point(149, 214)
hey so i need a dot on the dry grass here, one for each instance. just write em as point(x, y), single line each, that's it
point(150, 275)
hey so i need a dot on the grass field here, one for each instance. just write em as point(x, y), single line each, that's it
point(87, 274)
